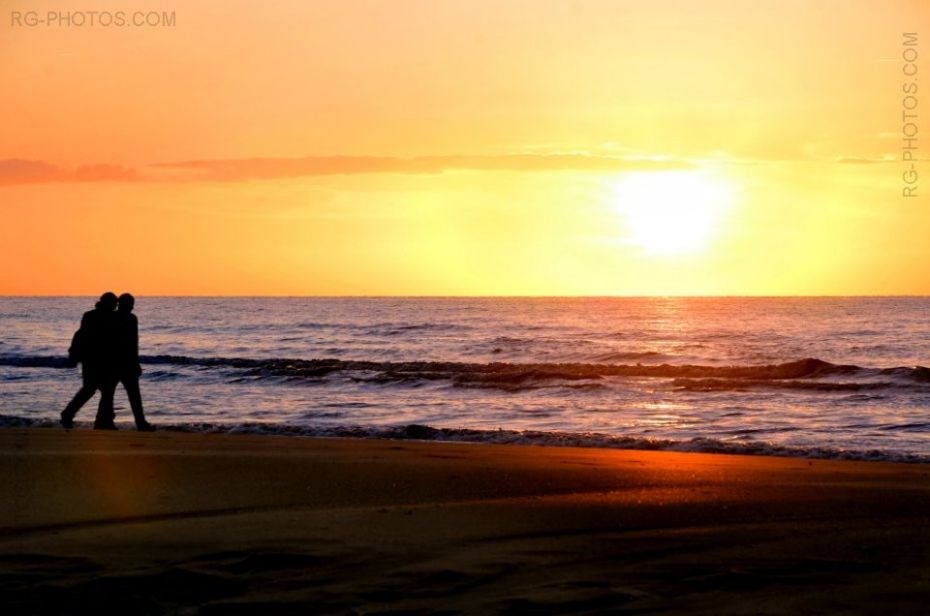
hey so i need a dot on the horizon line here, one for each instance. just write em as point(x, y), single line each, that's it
point(523, 296)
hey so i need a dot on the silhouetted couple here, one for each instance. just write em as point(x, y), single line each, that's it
point(107, 347)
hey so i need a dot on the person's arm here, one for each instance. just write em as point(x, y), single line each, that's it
point(78, 349)
point(134, 343)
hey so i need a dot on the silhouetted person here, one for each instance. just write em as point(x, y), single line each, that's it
point(129, 367)
point(94, 346)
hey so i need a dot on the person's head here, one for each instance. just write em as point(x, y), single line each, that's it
point(107, 302)
point(126, 302)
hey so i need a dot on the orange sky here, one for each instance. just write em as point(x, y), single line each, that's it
point(471, 147)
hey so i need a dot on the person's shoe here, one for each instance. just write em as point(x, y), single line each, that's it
point(106, 426)
point(145, 427)
point(67, 422)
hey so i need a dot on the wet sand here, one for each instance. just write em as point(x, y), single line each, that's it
point(206, 524)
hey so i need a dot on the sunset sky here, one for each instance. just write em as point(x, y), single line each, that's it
point(464, 147)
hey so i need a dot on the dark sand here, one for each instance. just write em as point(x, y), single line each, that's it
point(133, 523)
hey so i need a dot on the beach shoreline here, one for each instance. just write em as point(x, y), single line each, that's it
point(175, 522)
point(505, 437)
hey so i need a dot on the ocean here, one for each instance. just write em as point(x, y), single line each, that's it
point(818, 377)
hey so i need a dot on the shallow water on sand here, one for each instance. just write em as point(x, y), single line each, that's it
point(803, 376)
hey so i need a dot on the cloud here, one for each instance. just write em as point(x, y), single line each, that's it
point(19, 171)
point(102, 173)
point(855, 160)
point(277, 168)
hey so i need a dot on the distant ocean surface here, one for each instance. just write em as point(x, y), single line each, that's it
point(823, 377)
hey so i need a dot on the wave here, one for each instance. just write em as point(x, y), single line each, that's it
point(33, 361)
point(744, 384)
point(917, 373)
point(808, 373)
point(383, 328)
point(422, 432)
point(629, 356)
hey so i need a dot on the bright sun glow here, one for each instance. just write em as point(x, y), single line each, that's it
point(672, 212)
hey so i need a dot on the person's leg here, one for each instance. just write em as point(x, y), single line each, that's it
point(131, 384)
point(105, 414)
point(85, 393)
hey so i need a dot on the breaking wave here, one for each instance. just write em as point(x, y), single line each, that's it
point(518, 437)
point(808, 374)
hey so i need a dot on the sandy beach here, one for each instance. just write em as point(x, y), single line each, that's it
point(203, 524)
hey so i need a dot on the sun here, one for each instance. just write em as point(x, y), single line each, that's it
point(668, 213)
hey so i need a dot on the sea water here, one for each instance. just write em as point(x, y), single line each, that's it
point(834, 377)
